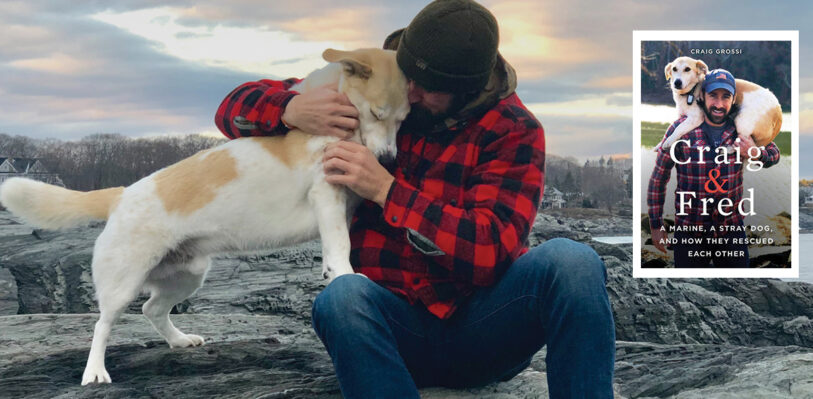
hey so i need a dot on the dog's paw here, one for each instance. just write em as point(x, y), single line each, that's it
point(95, 375)
point(186, 340)
point(336, 269)
point(327, 273)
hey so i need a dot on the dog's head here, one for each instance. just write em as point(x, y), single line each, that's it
point(685, 73)
point(377, 87)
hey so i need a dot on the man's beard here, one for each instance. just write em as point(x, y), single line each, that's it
point(422, 120)
point(714, 118)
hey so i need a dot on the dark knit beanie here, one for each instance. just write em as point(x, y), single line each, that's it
point(450, 46)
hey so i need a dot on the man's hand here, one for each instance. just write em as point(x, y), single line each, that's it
point(322, 111)
point(354, 166)
point(658, 237)
point(745, 143)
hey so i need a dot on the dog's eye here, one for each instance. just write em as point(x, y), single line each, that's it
point(377, 115)
point(687, 69)
point(674, 69)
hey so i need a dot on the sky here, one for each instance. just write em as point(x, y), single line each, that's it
point(69, 69)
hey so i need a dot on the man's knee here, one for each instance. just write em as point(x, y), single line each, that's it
point(345, 298)
point(566, 263)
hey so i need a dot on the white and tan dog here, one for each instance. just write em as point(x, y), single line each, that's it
point(246, 195)
point(759, 116)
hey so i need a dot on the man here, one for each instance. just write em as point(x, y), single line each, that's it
point(454, 298)
point(700, 175)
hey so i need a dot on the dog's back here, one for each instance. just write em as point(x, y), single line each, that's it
point(760, 114)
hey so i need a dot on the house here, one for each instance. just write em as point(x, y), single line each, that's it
point(552, 198)
point(30, 168)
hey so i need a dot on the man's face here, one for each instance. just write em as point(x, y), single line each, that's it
point(428, 107)
point(718, 105)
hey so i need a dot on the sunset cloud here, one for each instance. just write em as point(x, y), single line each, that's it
point(349, 27)
point(529, 45)
point(611, 82)
point(142, 68)
point(57, 63)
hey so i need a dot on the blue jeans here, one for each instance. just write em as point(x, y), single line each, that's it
point(553, 295)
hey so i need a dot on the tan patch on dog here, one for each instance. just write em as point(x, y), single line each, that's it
point(100, 203)
point(96, 204)
point(744, 86)
point(290, 149)
point(192, 183)
point(767, 128)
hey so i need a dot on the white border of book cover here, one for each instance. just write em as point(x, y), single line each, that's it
point(638, 108)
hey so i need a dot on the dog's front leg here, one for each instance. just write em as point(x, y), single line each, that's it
point(329, 202)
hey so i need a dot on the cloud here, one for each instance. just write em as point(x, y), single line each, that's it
point(157, 67)
point(246, 49)
point(75, 76)
point(529, 45)
point(611, 82)
point(616, 105)
point(57, 63)
point(350, 27)
point(586, 136)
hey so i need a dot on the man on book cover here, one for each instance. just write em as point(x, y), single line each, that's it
point(709, 201)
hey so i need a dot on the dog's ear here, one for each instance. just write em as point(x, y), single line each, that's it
point(352, 64)
point(668, 71)
point(702, 67)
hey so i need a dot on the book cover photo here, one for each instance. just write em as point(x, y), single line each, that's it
point(716, 136)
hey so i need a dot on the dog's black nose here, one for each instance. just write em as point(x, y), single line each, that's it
point(678, 84)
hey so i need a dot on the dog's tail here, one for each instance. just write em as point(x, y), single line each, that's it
point(52, 207)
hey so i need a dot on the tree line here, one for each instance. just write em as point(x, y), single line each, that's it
point(596, 184)
point(105, 160)
point(109, 160)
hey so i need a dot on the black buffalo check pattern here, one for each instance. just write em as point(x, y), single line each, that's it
point(461, 207)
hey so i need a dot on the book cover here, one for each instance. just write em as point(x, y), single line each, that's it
point(716, 153)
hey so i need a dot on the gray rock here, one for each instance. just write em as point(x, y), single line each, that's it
point(44, 356)
point(645, 370)
point(547, 227)
point(696, 336)
point(708, 311)
point(248, 356)
point(9, 302)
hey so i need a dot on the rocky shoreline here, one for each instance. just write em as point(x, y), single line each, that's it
point(805, 220)
point(686, 338)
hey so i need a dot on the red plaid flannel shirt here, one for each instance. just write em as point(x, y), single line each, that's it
point(460, 209)
point(692, 177)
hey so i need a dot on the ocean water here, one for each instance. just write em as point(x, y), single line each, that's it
point(806, 257)
point(614, 239)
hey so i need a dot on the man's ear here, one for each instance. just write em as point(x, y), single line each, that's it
point(668, 71)
point(350, 60)
point(702, 68)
